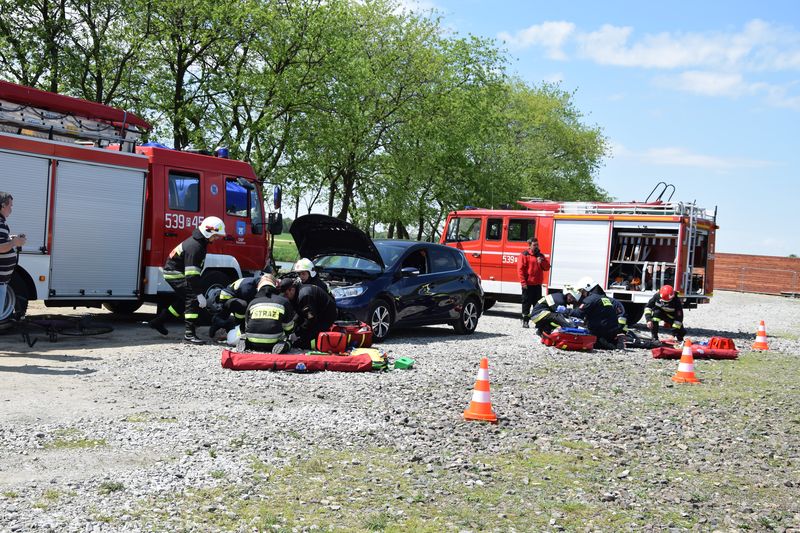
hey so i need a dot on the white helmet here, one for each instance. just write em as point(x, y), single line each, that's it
point(212, 226)
point(304, 265)
point(586, 283)
point(572, 291)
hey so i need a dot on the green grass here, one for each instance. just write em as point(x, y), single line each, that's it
point(107, 487)
point(10, 494)
point(145, 416)
point(70, 438)
point(285, 249)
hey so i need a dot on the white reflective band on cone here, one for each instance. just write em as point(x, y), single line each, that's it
point(483, 374)
point(685, 367)
point(481, 396)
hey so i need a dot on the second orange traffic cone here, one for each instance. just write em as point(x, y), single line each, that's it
point(480, 408)
point(761, 338)
point(685, 373)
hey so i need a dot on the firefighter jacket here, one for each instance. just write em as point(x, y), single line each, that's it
point(316, 310)
point(600, 316)
point(530, 269)
point(318, 283)
point(269, 319)
point(186, 261)
point(235, 297)
point(547, 305)
point(622, 318)
point(671, 311)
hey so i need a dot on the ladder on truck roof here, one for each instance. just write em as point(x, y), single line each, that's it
point(35, 113)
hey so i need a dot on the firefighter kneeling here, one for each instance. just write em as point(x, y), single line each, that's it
point(549, 312)
point(665, 307)
point(601, 319)
point(269, 320)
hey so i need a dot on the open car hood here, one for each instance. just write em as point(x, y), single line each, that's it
point(318, 235)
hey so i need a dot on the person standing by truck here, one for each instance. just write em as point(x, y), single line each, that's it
point(8, 253)
point(531, 266)
point(182, 271)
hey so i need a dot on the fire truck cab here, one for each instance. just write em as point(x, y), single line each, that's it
point(629, 249)
point(101, 213)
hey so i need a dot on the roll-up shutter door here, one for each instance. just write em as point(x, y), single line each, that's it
point(26, 179)
point(97, 231)
point(580, 248)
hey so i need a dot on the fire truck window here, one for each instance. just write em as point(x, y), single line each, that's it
point(184, 192)
point(494, 229)
point(464, 229)
point(521, 229)
point(237, 200)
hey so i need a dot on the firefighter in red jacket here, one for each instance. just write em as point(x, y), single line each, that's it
point(531, 266)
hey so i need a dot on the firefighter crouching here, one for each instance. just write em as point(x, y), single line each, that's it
point(601, 319)
point(548, 313)
point(593, 288)
point(308, 275)
point(182, 272)
point(269, 320)
point(316, 310)
point(665, 307)
point(231, 300)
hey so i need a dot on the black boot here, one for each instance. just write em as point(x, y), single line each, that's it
point(158, 322)
point(526, 322)
point(190, 336)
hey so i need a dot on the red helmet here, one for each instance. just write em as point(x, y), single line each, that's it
point(667, 293)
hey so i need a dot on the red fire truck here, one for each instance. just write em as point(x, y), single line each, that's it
point(629, 249)
point(101, 212)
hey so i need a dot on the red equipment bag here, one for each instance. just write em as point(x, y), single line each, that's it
point(295, 362)
point(569, 341)
point(721, 343)
point(331, 342)
point(698, 352)
point(359, 334)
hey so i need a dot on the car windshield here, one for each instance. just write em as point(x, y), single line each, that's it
point(346, 262)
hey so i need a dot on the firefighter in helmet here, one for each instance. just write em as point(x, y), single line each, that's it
point(591, 287)
point(316, 310)
point(666, 307)
point(182, 271)
point(308, 275)
point(549, 312)
point(601, 319)
point(269, 319)
point(231, 300)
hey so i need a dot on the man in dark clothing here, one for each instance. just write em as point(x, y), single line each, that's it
point(269, 319)
point(665, 307)
point(594, 288)
point(316, 310)
point(548, 313)
point(182, 272)
point(531, 266)
point(8, 253)
point(233, 299)
point(601, 320)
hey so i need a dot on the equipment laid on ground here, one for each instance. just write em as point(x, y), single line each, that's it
point(631, 249)
point(685, 373)
point(698, 352)
point(480, 407)
point(570, 339)
point(404, 363)
point(358, 333)
point(102, 212)
point(331, 342)
point(761, 338)
point(296, 362)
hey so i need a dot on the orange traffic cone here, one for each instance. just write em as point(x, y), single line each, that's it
point(685, 373)
point(761, 338)
point(480, 408)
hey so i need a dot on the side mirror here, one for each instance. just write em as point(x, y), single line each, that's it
point(408, 272)
point(275, 223)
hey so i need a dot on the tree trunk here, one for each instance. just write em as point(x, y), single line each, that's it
point(390, 233)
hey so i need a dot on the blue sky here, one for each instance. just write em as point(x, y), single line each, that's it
point(703, 95)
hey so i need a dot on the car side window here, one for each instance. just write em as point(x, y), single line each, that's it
point(494, 229)
point(417, 259)
point(521, 229)
point(442, 260)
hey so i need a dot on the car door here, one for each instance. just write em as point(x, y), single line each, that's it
point(446, 284)
point(414, 294)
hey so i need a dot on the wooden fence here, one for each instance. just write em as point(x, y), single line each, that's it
point(757, 273)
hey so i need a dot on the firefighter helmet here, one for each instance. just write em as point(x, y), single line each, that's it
point(667, 293)
point(586, 283)
point(304, 265)
point(572, 291)
point(267, 280)
point(212, 226)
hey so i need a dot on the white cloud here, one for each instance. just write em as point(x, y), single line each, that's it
point(674, 156)
point(549, 35)
point(708, 83)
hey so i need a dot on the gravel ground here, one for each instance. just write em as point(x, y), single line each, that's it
point(129, 432)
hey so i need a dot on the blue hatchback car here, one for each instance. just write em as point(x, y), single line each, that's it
point(390, 283)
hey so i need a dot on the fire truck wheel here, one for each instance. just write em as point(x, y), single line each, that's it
point(123, 308)
point(21, 293)
point(633, 312)
point(468, 319)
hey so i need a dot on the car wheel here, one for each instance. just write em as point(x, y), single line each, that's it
point(380, 319)
point(468, 319)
